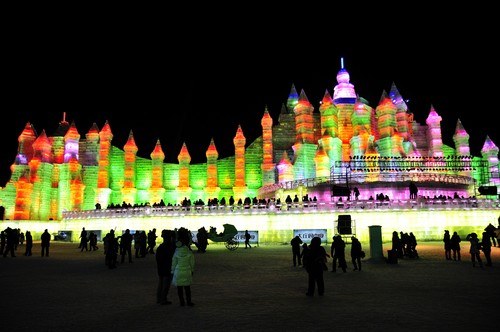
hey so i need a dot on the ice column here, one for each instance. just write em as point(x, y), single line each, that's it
point(239, 188)
point(434, 134)
point(156, 190)
point(267, 166)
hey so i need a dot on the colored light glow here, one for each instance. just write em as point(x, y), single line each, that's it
point(278, 227)
point(359, 127)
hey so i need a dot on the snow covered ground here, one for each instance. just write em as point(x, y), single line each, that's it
point(255, 289)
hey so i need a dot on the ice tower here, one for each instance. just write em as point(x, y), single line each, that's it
point(305, 146)
point(239, 188)
point(267, 166)
point(128, 190)
point(344, 98)
point(212, 189)
point(434, 140)
point(184, 190)
point(102, 192)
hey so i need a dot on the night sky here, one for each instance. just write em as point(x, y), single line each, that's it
point(190, 88)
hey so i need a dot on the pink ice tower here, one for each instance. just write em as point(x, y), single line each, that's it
point(490, 153)
point(434, 134)
point(343, 89)
point(71, 143)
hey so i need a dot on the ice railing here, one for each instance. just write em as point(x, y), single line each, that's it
point(303, 207)
point(364, 178)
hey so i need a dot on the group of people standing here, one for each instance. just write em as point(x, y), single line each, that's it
point(488, 240)
point(404, 244)
point(122, 245)
point(10, 239)
point(314, 259)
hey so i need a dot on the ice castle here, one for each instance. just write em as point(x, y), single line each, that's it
point(347, 143)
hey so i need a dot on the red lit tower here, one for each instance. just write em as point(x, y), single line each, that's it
point(183, 189)
point(212, 189)
point(267, 166)
point(239, 188)
point(102, 192)
point(129, 191)
point(156, 190)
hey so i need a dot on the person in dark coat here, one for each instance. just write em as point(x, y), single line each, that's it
point(486, 247)
point(83, 239)
point(474, 249)
point(356, 253)
point(111, 250)
point(315, 261)
point(29, 243)
point(202, 240)
point(455, 245)
point(338, 252)
point(447, 244)
point(413, 245)
point(11, 238)
point(296, 242)
point(45, 242)
point(164, 255)
point(126, 245)
point(151, 241)
point(247, 240)
point(490, 231)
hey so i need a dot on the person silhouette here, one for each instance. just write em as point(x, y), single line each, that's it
point(126, 245)
point(29, 243)
point(356, 253)
point(455, 245)
point(474, 249)
point(338, 252)
point(164, 255)
point(45, 243)
point(486, 247)
point(315, 261)
point(83, 239)
point(11, 237)
point(447, 244)
point(247, 239)
point(296, 242)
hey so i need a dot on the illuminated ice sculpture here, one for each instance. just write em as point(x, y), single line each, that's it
point(66, 172)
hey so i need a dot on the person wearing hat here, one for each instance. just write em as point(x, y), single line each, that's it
point(45, 242)
point(474, 249)
point(356, 253)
